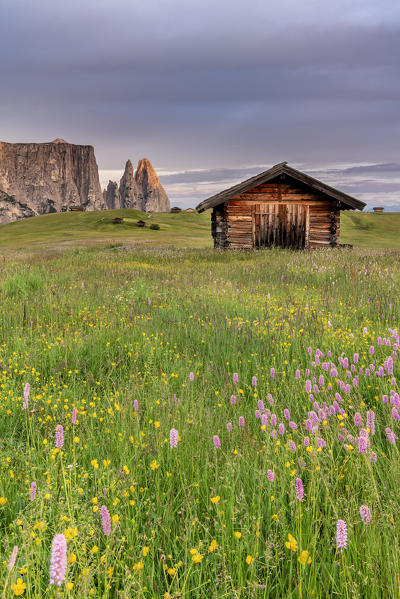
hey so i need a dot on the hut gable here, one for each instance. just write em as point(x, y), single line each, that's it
point(279, 207)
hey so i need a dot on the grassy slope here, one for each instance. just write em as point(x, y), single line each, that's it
point(88, 228)
point(79, 327)
point(184, 230)
point(371, 230)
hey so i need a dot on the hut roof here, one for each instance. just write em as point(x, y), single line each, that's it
point(280, 169)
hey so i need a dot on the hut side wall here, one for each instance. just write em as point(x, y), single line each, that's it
point(219, 227)
point(233, 223)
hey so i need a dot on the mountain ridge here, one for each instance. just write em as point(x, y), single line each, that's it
point(45, 177)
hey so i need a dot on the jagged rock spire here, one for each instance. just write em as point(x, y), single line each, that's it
point(151, 196)
point(127, 188)
point(111, 196)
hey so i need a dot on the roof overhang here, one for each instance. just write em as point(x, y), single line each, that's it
point(348, 202)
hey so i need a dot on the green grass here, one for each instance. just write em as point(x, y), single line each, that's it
point(181, 230)
point(371, 230)
point(98, 329)
point(97, 228)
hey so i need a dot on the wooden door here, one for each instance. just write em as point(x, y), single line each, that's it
point(280, 225)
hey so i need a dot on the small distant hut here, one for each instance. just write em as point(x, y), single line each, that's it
point(280, 207)
point(378, 209)
point(176, 210)
point(118, 220)
point(76, 208)
point(190, 210)
point(141, 223)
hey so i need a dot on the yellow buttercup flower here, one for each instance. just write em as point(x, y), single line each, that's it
point(70, 533)
point(197, 557)
point(291, 543)
point(304, 558)
point(237, 534)
point(215, 499)
point(249, 559)
point(213, 546)
point(19, 587)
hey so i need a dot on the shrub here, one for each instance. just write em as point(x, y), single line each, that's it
point(155, 227)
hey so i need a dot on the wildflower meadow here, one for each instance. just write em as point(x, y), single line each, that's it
point(189, 423)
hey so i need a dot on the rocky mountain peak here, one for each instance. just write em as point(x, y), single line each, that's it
point(111, 195)
point(145, 164)
point(150, 193)
point(129, 167)
point(127, 188)
point(38, 178)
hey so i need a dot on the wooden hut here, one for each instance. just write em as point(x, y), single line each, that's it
point(141, 223)
point(378, 209)
point(76, 208)
point(280, 207)
point(176, 210)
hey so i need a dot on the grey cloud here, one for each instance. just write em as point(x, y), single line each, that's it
point(390, 167)
point(190, 187)
point(230, 174)
point(206, 84)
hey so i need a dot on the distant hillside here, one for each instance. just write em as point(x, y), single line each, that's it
point(184, 229)
point(370, 230)
point(92, 228)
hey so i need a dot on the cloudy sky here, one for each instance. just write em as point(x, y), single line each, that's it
point(211, 91)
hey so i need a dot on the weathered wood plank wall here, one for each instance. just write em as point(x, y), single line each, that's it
point(283, 214)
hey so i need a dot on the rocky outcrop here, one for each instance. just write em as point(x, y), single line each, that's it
point(47, 177)
point(11, 209)
point(142, 189)
point(127, 188)
point(38, 178)
point(150, 194)
point(111, 196)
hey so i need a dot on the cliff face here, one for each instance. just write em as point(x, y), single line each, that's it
point(47, 177)
point(127, 188)
point(141, 189)
point(111, 196)
point(38, 178)
point(11, 209)
point(151, 195)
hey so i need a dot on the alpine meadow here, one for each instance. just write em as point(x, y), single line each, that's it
point(190, 423)
point(199, 299)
